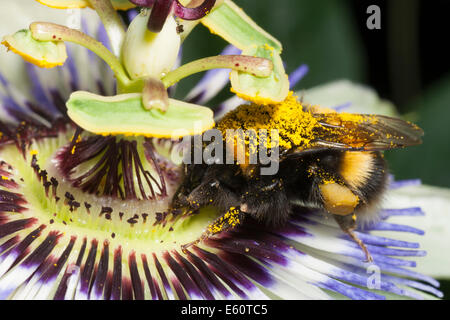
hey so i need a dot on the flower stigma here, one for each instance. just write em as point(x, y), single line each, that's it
point(161, 9)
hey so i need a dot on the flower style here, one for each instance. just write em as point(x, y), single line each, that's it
point(85, 216)
point(161, 9)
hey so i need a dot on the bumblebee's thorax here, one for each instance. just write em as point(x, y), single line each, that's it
point(294, 125)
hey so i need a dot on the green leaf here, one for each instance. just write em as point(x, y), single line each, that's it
point(125, 114)
point(273, 88)
point(45, 54)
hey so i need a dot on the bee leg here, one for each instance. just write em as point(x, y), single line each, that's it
point(265, 200)
point(204, 194)
point(213, 193)
point(229, 220)
point(348, 225)
point(192, 178)
point(201, 196)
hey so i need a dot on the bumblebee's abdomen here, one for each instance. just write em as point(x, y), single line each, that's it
point(342, 182)
point(365, 173)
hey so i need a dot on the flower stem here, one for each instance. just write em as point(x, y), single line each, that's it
point(258, 67)
point(46, 31)
point(114, 26)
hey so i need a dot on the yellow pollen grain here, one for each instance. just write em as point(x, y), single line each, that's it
point(324, 176)
point(328, 181)
point(269, 48)
point(352, 117)
point(294, 125)
point(229, 219)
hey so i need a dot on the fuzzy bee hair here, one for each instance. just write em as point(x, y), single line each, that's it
point(329, 161)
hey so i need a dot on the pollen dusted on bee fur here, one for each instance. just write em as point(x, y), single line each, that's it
point(294, 125)
point(299, 127)
point(229, 220)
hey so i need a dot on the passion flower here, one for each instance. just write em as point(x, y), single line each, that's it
point(86, 216)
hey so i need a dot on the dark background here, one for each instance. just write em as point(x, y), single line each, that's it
point(407, 62)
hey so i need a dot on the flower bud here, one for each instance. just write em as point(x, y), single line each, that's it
point(148, 54)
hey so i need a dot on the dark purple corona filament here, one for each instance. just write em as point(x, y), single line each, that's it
point(161, 9)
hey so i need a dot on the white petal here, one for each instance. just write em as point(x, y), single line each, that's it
point(359, 98)
point(435, 202)
point(292, 286)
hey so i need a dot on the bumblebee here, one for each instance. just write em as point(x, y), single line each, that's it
point(327, 160)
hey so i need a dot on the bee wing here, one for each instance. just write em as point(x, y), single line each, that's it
point(364, 132)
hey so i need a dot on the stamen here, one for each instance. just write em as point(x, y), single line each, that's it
point(46, 31)
point(258, 67)
point(45, 54)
